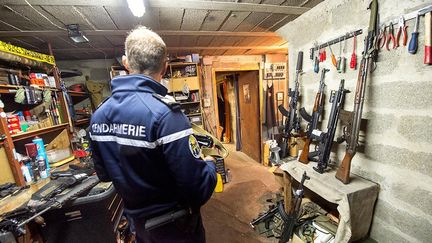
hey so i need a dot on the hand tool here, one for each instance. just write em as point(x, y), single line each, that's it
point(353, 62)
point(391, 37)
point(315, 59)
point(333, 58)
point(428, 40)
point(339, 59)
point(382, 38)
point(324, 54)
point(412, 47)
point(402, 30)
point(342, 66)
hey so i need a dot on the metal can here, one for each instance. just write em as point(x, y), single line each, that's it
point(42, 167)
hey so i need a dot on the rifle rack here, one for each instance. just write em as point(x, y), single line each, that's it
point(336, 40)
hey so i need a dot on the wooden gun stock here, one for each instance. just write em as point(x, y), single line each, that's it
point(304, 156)
point(343, 173)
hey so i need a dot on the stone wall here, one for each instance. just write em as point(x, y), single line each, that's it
point(397, 141)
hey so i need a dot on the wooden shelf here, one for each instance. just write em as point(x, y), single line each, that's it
point(29, 134)
point(6, 87)
point(82, 121)
point(194, 114)
point(78, 94)
point(188, 103)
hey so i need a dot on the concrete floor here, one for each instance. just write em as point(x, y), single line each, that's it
point(227, 215)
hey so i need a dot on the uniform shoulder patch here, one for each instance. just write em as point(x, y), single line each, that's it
point(194, 147)
point(171, 103)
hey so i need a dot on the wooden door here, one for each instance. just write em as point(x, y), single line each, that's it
point(249, 114)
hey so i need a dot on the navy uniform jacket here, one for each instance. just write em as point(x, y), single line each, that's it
point(146, 148)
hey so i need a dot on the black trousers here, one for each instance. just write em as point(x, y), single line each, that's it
point(188, 229)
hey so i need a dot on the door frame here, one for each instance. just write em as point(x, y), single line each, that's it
point(255, 67)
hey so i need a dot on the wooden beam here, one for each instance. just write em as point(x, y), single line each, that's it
point(180, 48)
point(183, 4)
point(124, 33)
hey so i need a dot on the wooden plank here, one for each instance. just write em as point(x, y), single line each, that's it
point(36, 18)
point(251, 21)
point(98, 16)
point(68, 15)
point(214, 20)
point(188, 40)
point(121, 17)
point(234, 20)
point(233, 6)
point(193, 19)
point(16, 20)
point(33, 133)
point(171, 18)
point(283, 22)
point(269, 22)
point(204, 40)
point(124, 32)
point(9, 148)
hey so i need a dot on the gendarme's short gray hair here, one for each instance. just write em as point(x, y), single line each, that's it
point(145, 51)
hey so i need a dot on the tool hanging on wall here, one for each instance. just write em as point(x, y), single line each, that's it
point(428, 40)
point(353, 62)
point(391, 38)
point(402, 30)
point(382, 38)
point(342, 59)
point(316, 62)
point(333, 58)
point(412, 47)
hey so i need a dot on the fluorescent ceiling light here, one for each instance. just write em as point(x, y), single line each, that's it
point(75, 34)
point(137, 7)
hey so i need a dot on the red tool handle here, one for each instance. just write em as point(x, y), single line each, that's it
point(353, 62)
point(428, 40)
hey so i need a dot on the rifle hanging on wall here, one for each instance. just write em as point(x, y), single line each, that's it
point(352, 129)
point(325, 139)
point(314, 118)
point(292, 121)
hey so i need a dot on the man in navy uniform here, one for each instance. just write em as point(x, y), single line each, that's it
point(143, 143)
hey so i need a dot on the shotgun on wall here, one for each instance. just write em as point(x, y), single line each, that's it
point(314, 118)
point(352, 129)
point(292, 122)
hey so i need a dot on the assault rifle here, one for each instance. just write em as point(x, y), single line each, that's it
point(314, 118)
point(291, 219)
point(352, 129)
point(13, 222)
point(325, 140)
point(292, 121)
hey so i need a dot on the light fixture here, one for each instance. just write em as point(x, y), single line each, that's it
point(75, 34)
point(137, 7)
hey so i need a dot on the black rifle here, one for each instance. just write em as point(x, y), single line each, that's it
point(291, 219)
point(325, 140)
point(314, 119)
point(352, 129)
point(15, 220)
point(292, 121)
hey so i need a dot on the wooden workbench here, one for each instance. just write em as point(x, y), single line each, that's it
point(11, 203)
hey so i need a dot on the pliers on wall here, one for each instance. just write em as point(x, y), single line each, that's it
point(382, 37)
point(402, 28)
point(391, 38)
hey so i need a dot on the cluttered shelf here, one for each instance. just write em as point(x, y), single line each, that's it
point(79, 94)
point(194, 114)
point(82, 121)
point(30, 134)
point(189, 102)
point(4, 88)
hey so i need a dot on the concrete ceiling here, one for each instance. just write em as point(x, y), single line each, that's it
point(224, 27)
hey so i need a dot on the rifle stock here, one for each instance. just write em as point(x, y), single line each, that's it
point(343, 172)
point(304, 156)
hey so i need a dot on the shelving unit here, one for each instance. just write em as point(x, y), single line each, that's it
point(184, 86)
point(25, 62)
point(77, 97)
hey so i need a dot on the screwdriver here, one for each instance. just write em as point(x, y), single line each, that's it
point(428, 39)
point(412, 47)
